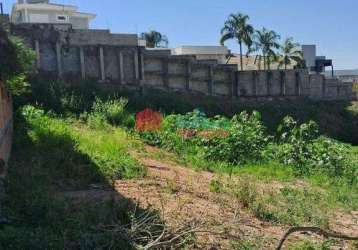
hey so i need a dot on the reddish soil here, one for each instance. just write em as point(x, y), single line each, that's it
point(183, 196)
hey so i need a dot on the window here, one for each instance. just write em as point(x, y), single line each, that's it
point(62, 18)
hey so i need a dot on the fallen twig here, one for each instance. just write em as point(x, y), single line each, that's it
point(315, 230)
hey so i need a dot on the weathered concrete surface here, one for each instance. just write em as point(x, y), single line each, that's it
point(117, 58)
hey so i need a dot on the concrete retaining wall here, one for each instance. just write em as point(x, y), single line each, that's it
point(117, 59)
point(6, 123)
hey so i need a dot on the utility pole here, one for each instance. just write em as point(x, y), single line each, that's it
point(1, 9)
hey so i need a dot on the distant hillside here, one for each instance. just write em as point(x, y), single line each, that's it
point(348, 72)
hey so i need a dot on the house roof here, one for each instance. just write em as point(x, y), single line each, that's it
point(52, 7)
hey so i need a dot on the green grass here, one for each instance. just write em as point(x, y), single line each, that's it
point(307, 245)
point(52, 155)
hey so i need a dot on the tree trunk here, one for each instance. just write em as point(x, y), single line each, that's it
point(264, 61)
point(242, 66)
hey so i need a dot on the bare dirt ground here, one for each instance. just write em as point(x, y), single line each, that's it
point(183, 196)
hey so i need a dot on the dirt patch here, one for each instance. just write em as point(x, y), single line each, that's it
point(182, 195)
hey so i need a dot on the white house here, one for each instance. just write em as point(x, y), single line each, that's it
point(219, 53)
point(42, 11)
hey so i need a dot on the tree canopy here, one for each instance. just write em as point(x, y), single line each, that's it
point(155, 39)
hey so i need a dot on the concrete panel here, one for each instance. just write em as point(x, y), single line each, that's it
point(92, 65)
point(261, 84)
point(290, 83)
point(200, 72)
point(221, 75)
point(331, 92)
point(222, 88)
point(304, 82)
point(177, 68)
point(152, 64)
point(128, 66)
point(48, 59)
point(176, 82)
point(275, 83)
point(316, 86)
point(111, 65)
point(71, 63)
point(154, 80)
point(245, 82)
point(199, 86)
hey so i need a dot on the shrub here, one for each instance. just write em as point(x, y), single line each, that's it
point(148, 121)
point(198, 120)
point(301, 147)
point(245, 141)
point(112, 109)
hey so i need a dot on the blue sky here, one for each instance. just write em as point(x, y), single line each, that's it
point(331, 24)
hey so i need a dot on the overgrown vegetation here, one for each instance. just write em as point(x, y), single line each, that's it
point(17, 62)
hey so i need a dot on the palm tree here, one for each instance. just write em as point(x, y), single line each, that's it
point(266, 41)
point(155, 39)
point(237, 27)
point(291, 53)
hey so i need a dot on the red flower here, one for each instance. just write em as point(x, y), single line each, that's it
point(148, 120)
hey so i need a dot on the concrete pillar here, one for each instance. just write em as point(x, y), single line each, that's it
point(38, 55)
point(235, 86)
point(254, 83)
point(121, 67)
point(142, 66)
point(188, 75)
point(165, 69)
point(101, 61)
point(136, 65)
point(297, 84)
point(82, 60)
point(211, 80)
point(59, 59)
point(323, 86)
point(283, 83)
point(233, 80)
point(27, 19)
point(268, 82)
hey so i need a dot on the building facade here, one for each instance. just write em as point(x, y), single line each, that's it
point(42, 11)
point(204, 53)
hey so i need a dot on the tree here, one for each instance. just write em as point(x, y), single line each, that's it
point(291, 54)
point(155, 39)
point(17, 61)
point(237, 27)
point(266, 41)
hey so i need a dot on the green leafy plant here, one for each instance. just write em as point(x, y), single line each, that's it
point(112, 109)
point(302, 147)
point(245, 141)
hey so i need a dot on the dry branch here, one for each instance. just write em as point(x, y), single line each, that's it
point(315, 230)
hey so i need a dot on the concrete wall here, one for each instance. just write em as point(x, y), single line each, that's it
point(6, 123)
point(4, 21)
point(117, 59)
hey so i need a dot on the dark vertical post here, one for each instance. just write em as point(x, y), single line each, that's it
point(1, 9)
point(323, 86)
point(188, 75)
point(282, 83)
point(211, 80)
point(165, 70)
point(235, 87)
point(297, 84)
point(268, 82)
point(254, 80)
point(121, 67)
